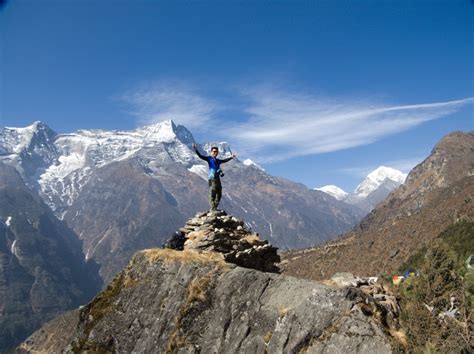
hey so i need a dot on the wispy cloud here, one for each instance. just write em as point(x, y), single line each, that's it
point(279, 124)
point(284, 125)
point(171, 100)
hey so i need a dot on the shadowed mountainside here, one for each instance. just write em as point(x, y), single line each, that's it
point(42, 268)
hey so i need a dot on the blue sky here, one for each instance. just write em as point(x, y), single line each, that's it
point(320, 92)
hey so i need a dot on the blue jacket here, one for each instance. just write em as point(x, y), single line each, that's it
point(214, 164)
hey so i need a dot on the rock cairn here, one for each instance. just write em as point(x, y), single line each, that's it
point(217, 231)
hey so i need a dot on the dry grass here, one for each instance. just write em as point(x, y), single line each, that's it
point(400, 336)
point(267, 337)
point(252, 238)
point(187, 256)
point(283, 311)
point(197, 289)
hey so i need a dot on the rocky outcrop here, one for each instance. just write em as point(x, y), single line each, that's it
point(216, 231)
point(195, 302)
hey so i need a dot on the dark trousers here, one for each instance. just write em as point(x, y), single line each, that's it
point(215, 192)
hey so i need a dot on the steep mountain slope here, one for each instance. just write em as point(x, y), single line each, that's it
point(121, 191)
point(42, 268)
point(123, 209)
point(437, 192)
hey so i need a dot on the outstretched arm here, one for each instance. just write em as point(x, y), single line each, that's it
point(227, 159)
point(198, 153)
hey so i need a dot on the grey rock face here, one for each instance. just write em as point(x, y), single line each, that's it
point(184, 301)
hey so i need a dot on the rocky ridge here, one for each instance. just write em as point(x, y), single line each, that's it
point(197, 300)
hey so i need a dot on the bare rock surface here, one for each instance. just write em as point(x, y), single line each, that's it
point(186, 301)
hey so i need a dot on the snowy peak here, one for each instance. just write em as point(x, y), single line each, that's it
point(373, 189)
point(160, 132)
point(17, 140)
point(100, 147)
point(249, 162)
point(30, 149)
point(166, 132)
point(376, 178)
point(387, 172)
point(60, 164)
point(334, 191)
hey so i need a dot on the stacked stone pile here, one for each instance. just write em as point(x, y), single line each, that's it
point(219, 232)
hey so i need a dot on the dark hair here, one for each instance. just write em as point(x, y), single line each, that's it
point(214, 148)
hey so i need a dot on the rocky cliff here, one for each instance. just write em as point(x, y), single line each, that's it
point(199, 300)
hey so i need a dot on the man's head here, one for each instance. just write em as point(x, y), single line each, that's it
point(214, 151)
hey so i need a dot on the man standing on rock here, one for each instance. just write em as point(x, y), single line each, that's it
point(215, 174)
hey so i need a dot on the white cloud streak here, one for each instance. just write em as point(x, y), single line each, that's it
point(171, 100)
point(276, 125)
point(282, 125)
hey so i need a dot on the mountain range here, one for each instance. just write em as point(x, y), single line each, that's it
point(116, 200)
point(100, 196)
point(122, 191)
point(437, 192)
point(372, 190)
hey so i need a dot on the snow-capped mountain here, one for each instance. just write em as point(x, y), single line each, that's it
point(29, 149)
point(121, 191)
point(372, 190)
point(249, 162)
point(334, 191)
point(375, 178)
point(60, 164)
